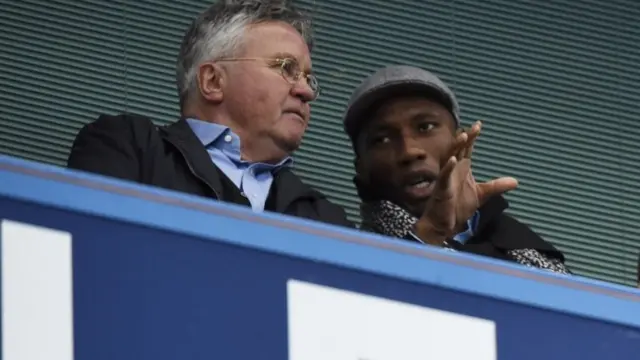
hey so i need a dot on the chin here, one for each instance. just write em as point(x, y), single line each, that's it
point(291, 144)
point(416, 208)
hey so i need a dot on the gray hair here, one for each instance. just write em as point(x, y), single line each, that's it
point(218, 32)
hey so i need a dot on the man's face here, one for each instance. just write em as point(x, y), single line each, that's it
point(271, 114)
point(402, 148)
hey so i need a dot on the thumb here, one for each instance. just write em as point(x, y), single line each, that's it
point(494, 187)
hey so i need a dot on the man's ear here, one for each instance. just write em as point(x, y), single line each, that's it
point(211, 77)
point(361, 181)
point(357, 165)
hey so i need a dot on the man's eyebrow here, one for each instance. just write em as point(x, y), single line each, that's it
point(376, 129)
point(422, 114)
point(284, 55)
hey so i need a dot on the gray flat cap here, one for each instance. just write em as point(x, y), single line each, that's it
point(390, 81)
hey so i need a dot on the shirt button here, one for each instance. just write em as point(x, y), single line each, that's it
point(227, 138)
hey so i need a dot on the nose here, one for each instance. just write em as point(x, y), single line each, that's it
point(411, 150)
point(302, 90)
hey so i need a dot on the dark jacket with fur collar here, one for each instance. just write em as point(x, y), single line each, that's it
point(497, 234)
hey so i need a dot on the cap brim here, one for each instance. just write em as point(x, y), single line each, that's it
point(361, 109)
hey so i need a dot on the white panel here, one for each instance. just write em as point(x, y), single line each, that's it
point(37, 293)
point(327, 323)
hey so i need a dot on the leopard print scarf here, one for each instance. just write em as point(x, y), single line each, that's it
point(387, 218)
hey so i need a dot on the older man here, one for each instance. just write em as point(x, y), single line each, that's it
point(245, 86)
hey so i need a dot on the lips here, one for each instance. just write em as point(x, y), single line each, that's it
point(297, 113)
point(419, 184)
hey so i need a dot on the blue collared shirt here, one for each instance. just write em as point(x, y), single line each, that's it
point(253, 179)
point(472, 226)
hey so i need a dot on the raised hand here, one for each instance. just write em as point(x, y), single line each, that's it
point(456, 195)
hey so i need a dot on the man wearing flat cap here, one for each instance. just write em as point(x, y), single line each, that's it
point(413, 165)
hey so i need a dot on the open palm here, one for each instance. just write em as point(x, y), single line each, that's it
point(457, 195)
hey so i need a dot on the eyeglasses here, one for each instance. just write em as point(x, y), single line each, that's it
point(290, 71)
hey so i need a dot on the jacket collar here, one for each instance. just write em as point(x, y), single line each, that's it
point(495, 229)
point(492, 209)
point(289, 187)
point(506, 232)
point(180, 135)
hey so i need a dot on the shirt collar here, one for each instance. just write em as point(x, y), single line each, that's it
point(214, 134)
point(206, 132)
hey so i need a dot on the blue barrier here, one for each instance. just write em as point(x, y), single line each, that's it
point(153, 274)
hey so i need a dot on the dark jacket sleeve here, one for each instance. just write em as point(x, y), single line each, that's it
point(333, 214)
point(511, 234)
point(111, 146)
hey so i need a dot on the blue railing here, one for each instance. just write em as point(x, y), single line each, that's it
point(95, 268)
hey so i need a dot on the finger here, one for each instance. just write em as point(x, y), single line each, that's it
point(459, 145)
point(474, 132)
point(442, 187)
point(494, 187)
point(460, 175)
point(476, 127)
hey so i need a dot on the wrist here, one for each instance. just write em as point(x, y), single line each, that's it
point(429, 233)
point(462, 227)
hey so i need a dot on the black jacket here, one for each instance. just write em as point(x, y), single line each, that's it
point(131, 147)
point(498, 233)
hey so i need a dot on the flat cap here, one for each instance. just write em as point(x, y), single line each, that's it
point(388, 82)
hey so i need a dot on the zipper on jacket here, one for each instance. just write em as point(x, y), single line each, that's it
point(193, 172)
